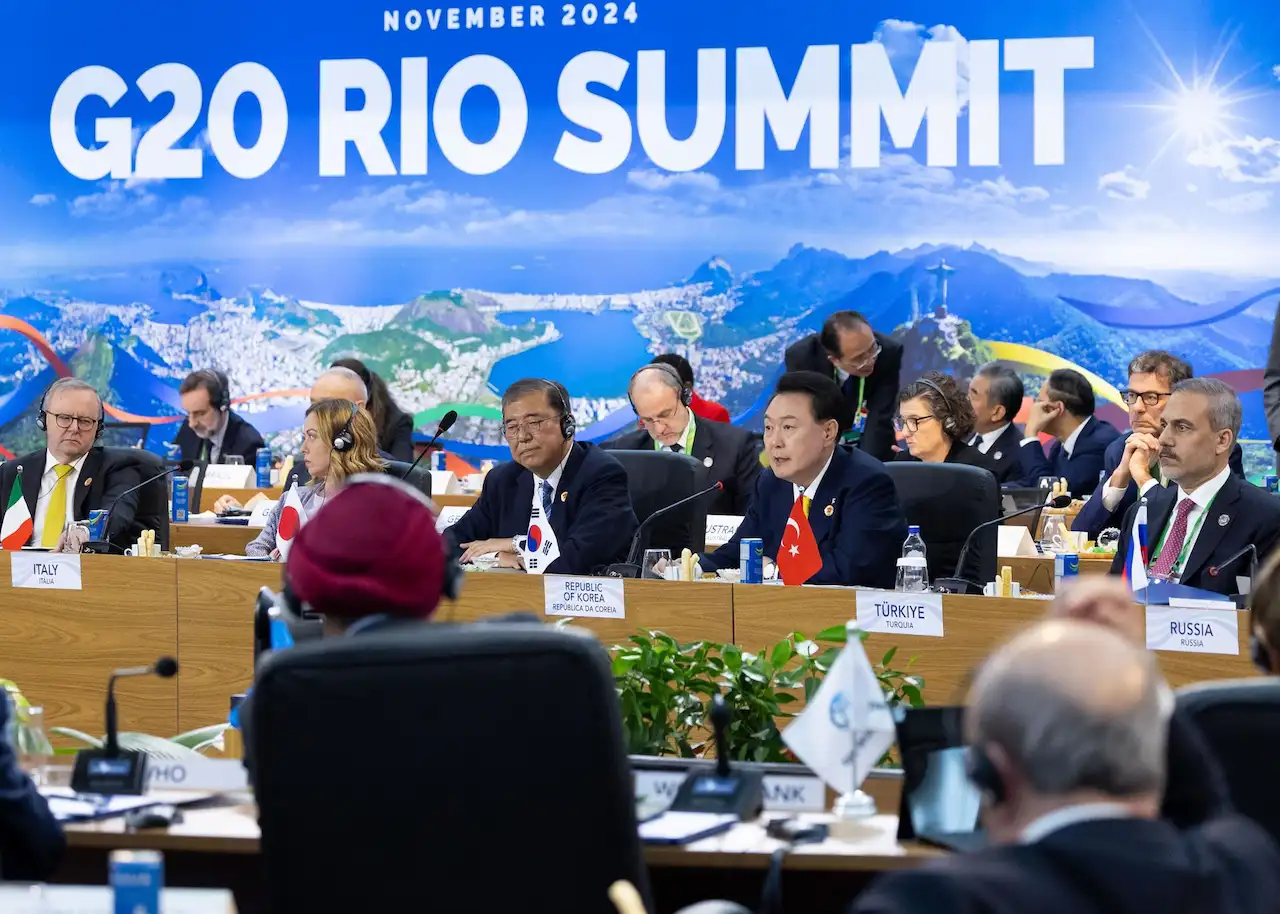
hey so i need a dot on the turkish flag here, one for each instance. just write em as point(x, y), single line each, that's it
point(798, 558)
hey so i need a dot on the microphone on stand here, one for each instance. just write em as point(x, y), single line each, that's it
point(958, 584)
point(105, 545)
point(631, 567)
point(1241, 600)
point(112, 770)
point(445, 423)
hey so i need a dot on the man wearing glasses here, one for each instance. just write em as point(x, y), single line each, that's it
point(72, 477)
point(866, 365)
point(580, 489)
point(1132, 461)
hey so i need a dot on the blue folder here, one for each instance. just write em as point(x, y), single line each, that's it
point(1158, 593)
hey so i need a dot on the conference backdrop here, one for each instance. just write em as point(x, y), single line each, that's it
point(467, 195)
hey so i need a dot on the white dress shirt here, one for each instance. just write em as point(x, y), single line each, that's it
point(1070, 444)
point(1202, 498)
point(812, 488)
point(984, 441)
point(553, 478)
point(1059, 819)
point(1111, 496)
point(47, 482)
point(686, 438)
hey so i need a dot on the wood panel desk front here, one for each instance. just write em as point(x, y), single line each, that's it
point(213, 539)
point(215, 616)
point(61, 646)
point(973, 627)
point(1035, 572)
point(209, 495)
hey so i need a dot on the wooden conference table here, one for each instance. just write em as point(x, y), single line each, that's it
point(60, 646)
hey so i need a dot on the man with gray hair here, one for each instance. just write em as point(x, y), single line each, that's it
point(1197, 527)
point(662, 403)
point(72, 476)
point(1067, 731)
point(996, 394)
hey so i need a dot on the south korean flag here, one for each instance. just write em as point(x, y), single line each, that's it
point(540, 546)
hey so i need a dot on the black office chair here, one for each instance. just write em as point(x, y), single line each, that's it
point(465, 708)
point(125, 434)
point(656, 479)
point(947, 501)
point(1240, 720)
point(152, 512)
point(420, 478)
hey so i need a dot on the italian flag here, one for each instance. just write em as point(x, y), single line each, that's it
point(16, 528)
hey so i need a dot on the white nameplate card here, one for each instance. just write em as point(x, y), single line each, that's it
point(597, 598)
point(721, 528)
point(230, 476)
point(1202, 628)
point(261, 512)
point(443, 482)
point(900, 613)
point(449, 516)
point(45, 570)
point(196, 774)
point(782, 792)
point(1013, 541)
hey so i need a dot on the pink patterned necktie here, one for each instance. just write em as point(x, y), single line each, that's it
point(1174, 542)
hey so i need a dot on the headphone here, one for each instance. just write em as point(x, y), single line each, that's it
point(220, 390)
point(43, 424)
point(450, 585)
point(568, 424)
point(344, 440)
point(984, 775)
point(948, 420)
point(686, 393)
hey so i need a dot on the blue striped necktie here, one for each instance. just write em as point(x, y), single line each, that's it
point(546, 499)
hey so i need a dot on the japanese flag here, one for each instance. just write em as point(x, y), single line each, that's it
point(292, 517)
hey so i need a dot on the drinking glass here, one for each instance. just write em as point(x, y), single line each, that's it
point(913, 574)
point(655, 563)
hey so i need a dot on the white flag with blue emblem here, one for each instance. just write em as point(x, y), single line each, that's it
point(540, 546)
point(847, 727)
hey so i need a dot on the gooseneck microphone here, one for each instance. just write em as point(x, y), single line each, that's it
point(445, 423)
point(1241, 600)
point(959, 584)
point(105, 545)
point(631, 568)
point(112, 770)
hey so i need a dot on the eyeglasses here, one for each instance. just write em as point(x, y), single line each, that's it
point(64, 421)
point(909, 423)
point(1149, 397)
point(531, 427)
point(863, 360)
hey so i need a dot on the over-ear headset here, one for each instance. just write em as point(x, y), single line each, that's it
point(686, 393)
point(344, 440)
point(220, 390)
point(948, 418)
point(568, 424)
point(984, 775)
point(450, 586)
point(43, 424)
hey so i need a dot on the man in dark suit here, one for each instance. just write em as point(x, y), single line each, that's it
point(996, 394)
point(72, 477)
point(1068, 739)
point(1208, 513)
point(581, 490)
point(1131, 461)
point(730, 454)
point(213, 432)
point(850, 501)
point(31, 840)
point(1064, 409)
point(866, 365)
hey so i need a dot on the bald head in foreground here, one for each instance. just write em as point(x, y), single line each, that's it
point(1067, 732)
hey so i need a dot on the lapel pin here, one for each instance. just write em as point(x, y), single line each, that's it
point(829, 510)
point(1223, 520)
point(88, 482)
point(564, 496)
point(998, 455)
point(706, 461)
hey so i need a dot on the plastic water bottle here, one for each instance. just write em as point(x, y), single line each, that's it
point(913, 568)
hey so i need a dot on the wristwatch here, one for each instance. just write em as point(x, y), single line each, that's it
point(517, 544)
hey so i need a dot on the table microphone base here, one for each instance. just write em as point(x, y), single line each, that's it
point(622, 570)
point(957, 585)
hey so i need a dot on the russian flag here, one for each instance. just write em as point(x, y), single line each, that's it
point(1135, 563)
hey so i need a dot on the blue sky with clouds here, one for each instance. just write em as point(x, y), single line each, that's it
point(1154, 176)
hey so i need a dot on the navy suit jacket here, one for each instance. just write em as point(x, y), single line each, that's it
point(1004, 453)
point(1252, 516)
point(855, 517)
point(591, 514)
point(104, 477)
point(241, 438)
point(31, 840)
point(1094, 517)
point(1081, 467)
